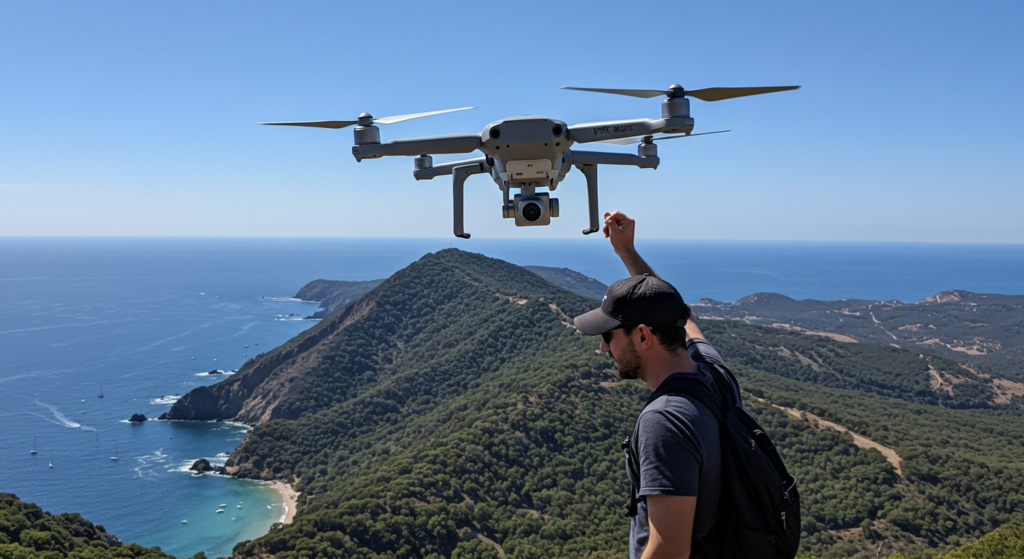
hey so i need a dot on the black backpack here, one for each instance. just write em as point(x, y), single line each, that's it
point(759, 510)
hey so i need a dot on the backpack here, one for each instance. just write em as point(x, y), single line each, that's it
point(759, 510)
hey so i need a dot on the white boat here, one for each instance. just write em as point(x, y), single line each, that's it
point(220, 511)
point(51, 463)
point(184, 521)
point(239, 506)
point(33, 451)
point(114, 457)
point(222, 505)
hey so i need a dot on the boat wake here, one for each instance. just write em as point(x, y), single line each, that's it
point(59, 418)
point(147, 463)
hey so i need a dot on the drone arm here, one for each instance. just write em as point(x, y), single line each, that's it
point(590, 171)
point(614, 129)
point(452, 143)
point(459, 176)
point(610, 158)
point(448, 168)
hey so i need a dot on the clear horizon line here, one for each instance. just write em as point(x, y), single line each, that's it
point(468, 243)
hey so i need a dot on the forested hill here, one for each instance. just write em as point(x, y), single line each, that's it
point(432, 310)
point(453, 411)
point(979, 328)
point(335, 294)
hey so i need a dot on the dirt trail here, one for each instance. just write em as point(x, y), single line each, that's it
point(862, 442)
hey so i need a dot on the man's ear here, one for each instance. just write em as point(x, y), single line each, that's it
point(645, 335)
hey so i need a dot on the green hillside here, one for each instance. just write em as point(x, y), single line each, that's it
point(1005, 543)
point(976, 328)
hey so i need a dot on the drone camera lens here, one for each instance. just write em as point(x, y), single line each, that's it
point(495, 133)
point(531, 211)
point(556, 130)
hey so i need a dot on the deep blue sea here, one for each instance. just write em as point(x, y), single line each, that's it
point(144, 319)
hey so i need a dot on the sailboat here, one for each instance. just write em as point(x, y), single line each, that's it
point(101, 391)
point(51, 463)
point(33, 451)
point(114, 457)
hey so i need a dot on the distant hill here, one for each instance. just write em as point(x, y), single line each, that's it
point(977, 328)
point(334, 294)
point(28, 531)
point(454, 411)
point(571, 280)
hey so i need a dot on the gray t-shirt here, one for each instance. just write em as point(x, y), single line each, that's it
point(675, 450)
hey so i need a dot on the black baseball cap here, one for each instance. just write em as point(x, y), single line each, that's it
point(636, 300)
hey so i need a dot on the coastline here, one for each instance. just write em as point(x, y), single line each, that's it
point(291, 499)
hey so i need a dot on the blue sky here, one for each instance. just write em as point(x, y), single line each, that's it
point(139, 118)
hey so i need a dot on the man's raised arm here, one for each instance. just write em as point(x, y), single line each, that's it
point(620, 228)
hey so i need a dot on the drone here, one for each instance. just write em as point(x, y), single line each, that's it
point(525, 153)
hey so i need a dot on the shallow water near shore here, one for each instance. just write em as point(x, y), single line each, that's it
point(144, 319)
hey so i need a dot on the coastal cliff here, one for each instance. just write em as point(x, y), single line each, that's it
point(253, 393)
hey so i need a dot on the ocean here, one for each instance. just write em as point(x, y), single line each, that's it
point(145, 319)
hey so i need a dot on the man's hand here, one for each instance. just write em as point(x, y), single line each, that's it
point(619, 227)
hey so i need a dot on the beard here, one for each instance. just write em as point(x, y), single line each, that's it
point(628, 362)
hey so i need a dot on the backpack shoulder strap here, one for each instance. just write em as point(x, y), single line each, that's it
point(689, 386)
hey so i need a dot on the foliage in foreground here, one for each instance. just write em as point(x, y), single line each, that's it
point(26, 531)
point(1005, 543)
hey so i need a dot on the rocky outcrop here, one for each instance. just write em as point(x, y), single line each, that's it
point(203, 466)
point(137, 418)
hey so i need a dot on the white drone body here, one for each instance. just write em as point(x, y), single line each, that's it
point(530, 152)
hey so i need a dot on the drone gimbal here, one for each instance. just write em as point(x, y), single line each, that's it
point(531, 152)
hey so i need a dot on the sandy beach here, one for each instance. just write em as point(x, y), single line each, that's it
point(291, 499)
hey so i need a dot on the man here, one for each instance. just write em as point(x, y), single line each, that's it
point(674, 462)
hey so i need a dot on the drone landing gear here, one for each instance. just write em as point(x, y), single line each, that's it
point(590, 171)
point(459, 176)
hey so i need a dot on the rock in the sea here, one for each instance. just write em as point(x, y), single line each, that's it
point(216, 372)
point(202, 466)
point(137, 418)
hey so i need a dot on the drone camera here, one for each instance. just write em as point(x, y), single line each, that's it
point(537, 209)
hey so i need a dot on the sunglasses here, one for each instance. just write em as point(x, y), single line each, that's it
point(607, 336)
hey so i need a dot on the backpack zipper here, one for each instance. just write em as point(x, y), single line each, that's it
point(783, 520)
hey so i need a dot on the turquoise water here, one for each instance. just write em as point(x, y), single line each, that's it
point(144, 319)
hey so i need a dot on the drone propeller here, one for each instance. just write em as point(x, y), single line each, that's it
point(676, 90)
point(344, 123)
point(627, 141)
